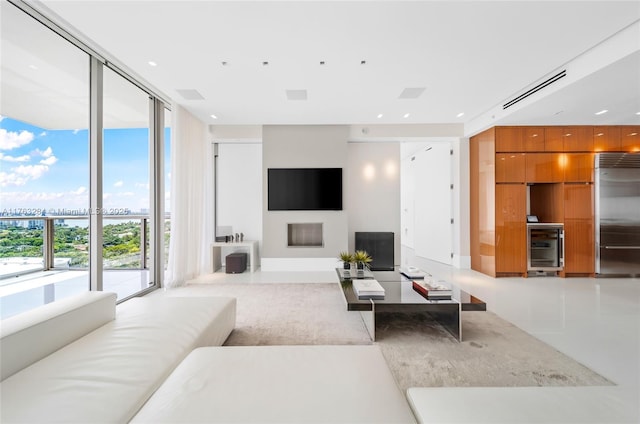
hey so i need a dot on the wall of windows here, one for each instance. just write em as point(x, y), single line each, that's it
point(82, 170)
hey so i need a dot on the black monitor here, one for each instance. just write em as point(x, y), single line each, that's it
point(300, 189)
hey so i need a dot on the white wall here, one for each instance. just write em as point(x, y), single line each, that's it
point(239, 184)
point(302, 146)
point(373, 190)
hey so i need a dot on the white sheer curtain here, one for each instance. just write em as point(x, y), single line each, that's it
point(192, 206)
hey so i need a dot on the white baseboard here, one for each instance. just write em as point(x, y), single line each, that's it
point(299, 264)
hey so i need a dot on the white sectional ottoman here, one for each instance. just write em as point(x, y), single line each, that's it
point(279, 384)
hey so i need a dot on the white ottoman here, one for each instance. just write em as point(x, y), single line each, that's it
point(279, 384)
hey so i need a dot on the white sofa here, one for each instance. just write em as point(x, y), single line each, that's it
point(83, 363)
point(80, 360)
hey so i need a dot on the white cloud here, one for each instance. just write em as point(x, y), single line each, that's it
point(8, 158)
point(11, 179)
point(49, 161)
point(42, 134)
point(11, 139)
point(48, 200)
point(127, 194)
point(1, 118)
point(142, 185)
point(76, 131)
point(22, 174)
point(48, 152)
point(33, 172)
point(118, 183)
point(80, 190)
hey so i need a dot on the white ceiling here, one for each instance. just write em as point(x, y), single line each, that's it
point(469, 57)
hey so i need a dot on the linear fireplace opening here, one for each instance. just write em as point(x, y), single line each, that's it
point(305, 235)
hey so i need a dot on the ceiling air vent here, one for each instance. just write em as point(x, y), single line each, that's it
point(189, 94)
point(535, 89)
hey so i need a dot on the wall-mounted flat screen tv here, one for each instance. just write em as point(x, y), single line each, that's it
point(304, 189)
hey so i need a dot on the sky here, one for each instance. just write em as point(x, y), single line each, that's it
point(43, 169)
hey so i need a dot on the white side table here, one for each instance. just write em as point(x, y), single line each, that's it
point(217, 252)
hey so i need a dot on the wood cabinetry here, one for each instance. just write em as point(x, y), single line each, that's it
point(606, 139)
point(511, 236)
point(579, 235)
point(544, 167)
point(509, 139)
point(520, 139)
point(534, 139)
point(510, 167)
point(482, 208)
point(578, 167)
point(630, 138)
point(569, 139)
point(546, 171)
point(553, 139)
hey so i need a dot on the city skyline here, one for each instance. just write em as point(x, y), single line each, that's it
point(48, 170)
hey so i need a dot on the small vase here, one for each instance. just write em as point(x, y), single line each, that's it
point(346, 265)
point(360, 265)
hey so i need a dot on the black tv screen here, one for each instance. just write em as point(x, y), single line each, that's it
point(304, 189)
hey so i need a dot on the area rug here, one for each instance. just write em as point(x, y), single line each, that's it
point(420, 353)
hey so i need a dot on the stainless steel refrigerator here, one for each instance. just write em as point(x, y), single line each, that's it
point(617, 208)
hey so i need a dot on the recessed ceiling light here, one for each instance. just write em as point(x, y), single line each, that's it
point(152, 63)
point(265, 63)
point(363, 62)
point(33, 67)
point(214, 116)
point(602, 112)
point(322, 62)
point(637, 113)
point(406, 115)
point(379, 115)
point(460, 115)
point(224, 63)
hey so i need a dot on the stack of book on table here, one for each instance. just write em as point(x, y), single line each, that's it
point(432, 290)
point(368, 289)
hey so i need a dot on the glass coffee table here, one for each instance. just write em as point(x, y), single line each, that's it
point(401, 297)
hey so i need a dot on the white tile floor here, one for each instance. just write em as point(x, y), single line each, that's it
point(596, 321)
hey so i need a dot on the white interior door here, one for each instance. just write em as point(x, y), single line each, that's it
point(433, 230)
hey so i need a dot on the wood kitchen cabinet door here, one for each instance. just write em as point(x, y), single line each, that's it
point(578, 167)
point(534, 140)
point(630, 138)
point(606, 139)
point(509, 139)
point(544, 167)
point(510, 167)
point(511, 236)
point(569, 139)
point(553, 141)
point(578, 139)
point(579, 236)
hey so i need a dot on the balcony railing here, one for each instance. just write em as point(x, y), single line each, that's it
point(41, 243)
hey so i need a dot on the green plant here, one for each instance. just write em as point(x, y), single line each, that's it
point(345, 257)
point(362, 257)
